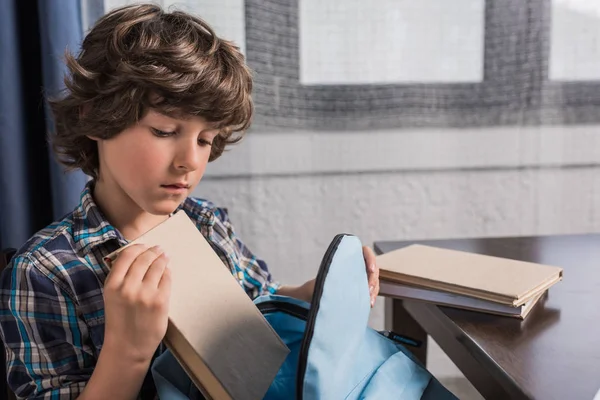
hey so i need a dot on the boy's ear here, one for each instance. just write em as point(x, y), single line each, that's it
point(95, 139)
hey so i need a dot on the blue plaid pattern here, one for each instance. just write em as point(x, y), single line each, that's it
point(51, 301)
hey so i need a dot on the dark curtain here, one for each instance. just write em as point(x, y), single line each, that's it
point(34, 190)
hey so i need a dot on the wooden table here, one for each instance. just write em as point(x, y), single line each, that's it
point(553, 354)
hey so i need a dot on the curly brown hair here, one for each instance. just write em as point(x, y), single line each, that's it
point(140, 57)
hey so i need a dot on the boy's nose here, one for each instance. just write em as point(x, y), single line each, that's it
point(188, 158)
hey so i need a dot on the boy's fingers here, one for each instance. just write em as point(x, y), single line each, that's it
point(370, 259)
point(375, 274)
point(140, 265)
point(164, 286)
point(121, 265)
point(156, 270)
point(374, 291)
point(372, 273)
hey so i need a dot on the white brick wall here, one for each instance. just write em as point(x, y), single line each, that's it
point(289, 220)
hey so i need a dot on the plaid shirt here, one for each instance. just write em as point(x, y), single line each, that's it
point(51, 295)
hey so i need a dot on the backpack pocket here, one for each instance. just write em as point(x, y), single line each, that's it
point(398, 375)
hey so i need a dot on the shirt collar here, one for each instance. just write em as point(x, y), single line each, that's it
point(91, 228)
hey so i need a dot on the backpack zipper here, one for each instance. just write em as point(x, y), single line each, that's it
point(291, 309)
point(314, 310)
point(402, 339)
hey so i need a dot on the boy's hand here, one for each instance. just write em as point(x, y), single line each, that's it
point(136, 297)
point(305, 291)
point(372, 273)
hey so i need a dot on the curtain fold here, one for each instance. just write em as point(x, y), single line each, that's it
point(60, 29)
point(34, 190)
point(15, 220)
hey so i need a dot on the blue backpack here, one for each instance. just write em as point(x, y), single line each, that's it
point(334, 354)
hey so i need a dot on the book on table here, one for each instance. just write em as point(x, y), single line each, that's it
point(465, 280)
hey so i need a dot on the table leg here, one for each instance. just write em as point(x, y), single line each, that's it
point(398, 320)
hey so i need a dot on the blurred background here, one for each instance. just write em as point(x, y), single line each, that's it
point(388, 119)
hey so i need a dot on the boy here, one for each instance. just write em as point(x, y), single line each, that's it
point(151, 99)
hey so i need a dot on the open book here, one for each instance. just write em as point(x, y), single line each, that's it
point(459, 278)
point(215, 331)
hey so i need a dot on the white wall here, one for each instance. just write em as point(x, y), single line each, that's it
point(289, 194)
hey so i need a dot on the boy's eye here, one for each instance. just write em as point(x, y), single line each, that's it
point(160, 133)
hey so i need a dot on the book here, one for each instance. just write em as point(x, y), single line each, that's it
point(215, 331)
point(494, 279)
point(399, 291)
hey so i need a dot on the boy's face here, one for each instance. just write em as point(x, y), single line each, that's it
point(157, 162)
